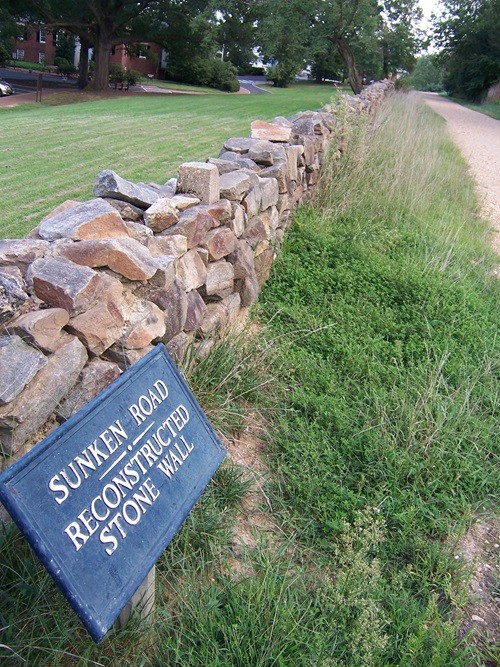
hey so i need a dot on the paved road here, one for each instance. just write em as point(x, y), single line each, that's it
point(23, 81)
point(478, 138)
point(250, 83)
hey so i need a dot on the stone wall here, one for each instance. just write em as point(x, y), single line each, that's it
point(98, 283)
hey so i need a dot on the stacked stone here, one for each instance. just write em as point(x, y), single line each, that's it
point(98, 283)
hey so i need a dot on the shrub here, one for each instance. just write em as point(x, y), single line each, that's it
point(202, 71)
point(403, 83)
point(224, 77)
point(283, 73)
point(132, 77)
point(117, 73)
point(64, 66)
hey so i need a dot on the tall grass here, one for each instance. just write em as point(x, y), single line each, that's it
point(392, 397)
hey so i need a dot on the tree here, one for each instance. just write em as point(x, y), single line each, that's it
point(101, 24)
point(370, 37)
point(9, 30)
point(469, 35)
point(401, 39)
point(284, 34)
point(236, 31)
point(427, 74)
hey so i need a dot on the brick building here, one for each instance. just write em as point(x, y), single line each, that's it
point(145, 58)
point(37, 45)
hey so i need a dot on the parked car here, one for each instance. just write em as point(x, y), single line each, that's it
point(5, 88)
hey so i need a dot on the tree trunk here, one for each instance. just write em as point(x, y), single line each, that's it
point(355, 79)
point(83, 68)
point(102, 53)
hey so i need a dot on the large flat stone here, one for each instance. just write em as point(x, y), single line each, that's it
point(234, 185)
point(109, 184)
point(101, 325)
point(270, 131)
point(63, 284)
point(193, 224)
point(40, 328)
point(95, 377)
point(127, 257)
point(19, 363)
point(94, 219)
point(23, 416)
point(200, 179)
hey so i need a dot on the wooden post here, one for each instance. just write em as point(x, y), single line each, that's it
point(143, 601)
point(39, 79)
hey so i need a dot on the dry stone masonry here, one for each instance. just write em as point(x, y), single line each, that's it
point(98, 283)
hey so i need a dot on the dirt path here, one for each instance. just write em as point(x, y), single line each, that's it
point(478, 137)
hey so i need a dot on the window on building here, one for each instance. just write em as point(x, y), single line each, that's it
point(41, 58)
point(19, 54)
point(41, 36)
point(143, 49)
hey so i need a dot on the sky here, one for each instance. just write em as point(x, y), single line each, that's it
point(429, 6)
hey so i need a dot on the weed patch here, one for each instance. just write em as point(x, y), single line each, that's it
point(387, 311)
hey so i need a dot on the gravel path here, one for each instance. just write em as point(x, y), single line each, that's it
point(478, 137)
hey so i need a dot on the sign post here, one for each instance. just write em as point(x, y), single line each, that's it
point(39, 86)
point(101, 497)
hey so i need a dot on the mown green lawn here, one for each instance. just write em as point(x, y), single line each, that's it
point(52, 153)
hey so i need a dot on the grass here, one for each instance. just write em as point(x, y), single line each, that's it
point(489, 108)
point(50, 154)
point(374, 371)
point(385, 299)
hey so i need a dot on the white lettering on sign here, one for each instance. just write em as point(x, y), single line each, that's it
point(92, 457)
point(128, 489)
point(175, 457)
point(147, 403)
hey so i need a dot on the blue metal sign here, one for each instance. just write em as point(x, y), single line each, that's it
point(101, 497)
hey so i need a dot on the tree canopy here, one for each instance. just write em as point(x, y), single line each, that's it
point(468, 32)
point(371, 38)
